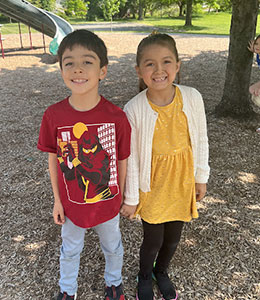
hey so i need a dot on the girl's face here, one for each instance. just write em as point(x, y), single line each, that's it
point(257, 46)
point(158, 67)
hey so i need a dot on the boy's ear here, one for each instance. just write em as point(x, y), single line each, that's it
point(178, 66)
point(103, 72)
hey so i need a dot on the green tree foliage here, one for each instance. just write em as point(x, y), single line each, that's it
point(76, 8)
point(44, 4)
point(224, 5)
point(110, 7)
point(94, 11)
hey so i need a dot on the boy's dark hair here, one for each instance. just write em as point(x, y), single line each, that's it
point(87, 39)
point(155, 38)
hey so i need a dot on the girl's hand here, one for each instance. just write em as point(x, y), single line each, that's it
point(201, 189)
point(58, 213)
point(128, 211)
point(254, 89)
point(251, 46)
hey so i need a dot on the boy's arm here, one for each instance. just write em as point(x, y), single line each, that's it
point(58, 212)
point(122, 175)
point(126, 210)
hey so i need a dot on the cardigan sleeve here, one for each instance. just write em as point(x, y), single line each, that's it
point(131, 192)
point(202, 168)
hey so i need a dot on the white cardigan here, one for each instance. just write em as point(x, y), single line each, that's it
point(142, 119)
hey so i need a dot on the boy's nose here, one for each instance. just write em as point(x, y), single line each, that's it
point(77, 69)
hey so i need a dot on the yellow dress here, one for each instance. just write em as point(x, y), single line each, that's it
point(172, 196)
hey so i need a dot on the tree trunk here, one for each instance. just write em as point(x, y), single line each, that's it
point(141, 10)
point(181, 6)
point(235, 99)
point(188, 13)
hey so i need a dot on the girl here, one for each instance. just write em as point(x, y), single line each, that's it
point(254, 89)
point(168, 166)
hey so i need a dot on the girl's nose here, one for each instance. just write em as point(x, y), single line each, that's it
point(158, 68)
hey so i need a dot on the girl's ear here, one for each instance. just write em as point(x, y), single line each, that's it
point(137, 69)
point(103, 72)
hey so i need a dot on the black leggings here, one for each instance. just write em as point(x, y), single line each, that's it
point(160, 240)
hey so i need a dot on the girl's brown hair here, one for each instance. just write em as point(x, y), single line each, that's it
point(155, 38)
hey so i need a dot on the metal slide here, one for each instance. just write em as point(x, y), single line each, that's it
point(37, 18)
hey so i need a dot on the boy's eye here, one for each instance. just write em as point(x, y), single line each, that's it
point(87, 62)
point(167, 61)
point(149, 64)
point(68, 64)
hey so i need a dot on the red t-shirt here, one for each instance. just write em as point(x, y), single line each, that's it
point(88, 146)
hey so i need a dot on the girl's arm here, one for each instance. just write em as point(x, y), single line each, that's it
point(126, 210)
point(58, 212)
point(202, 170)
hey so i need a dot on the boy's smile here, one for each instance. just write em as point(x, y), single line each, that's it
point(81, 71)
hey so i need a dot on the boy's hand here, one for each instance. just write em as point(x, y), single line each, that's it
point(128, 211)
point(201, 189)
point(250, 46)
point(58, 213)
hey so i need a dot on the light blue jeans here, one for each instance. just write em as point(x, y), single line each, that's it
point(72, 245)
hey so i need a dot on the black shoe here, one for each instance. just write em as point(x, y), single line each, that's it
point(165, 285)
point(145, 288)
point(114, 293)
point(65, 296)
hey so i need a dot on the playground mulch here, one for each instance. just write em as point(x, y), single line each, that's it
point(219, 254)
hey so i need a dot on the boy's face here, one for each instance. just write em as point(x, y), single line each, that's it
point(81, 70)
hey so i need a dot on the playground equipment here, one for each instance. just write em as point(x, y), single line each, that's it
point(39, 19)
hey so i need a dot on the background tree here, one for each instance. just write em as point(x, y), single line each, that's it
point(76, 8)
point(44, 4)
point(110, 8)
point(235, 99)
point(181, 4)
point(141, 7)
point(188, 13)
point(94, 10)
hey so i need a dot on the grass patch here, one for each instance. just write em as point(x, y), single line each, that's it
point(206, 23)
point(12, 28)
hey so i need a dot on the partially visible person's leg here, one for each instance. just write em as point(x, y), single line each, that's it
point(111, 245)
point(72, 245)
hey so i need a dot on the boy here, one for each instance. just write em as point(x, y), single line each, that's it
point(88, 141)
